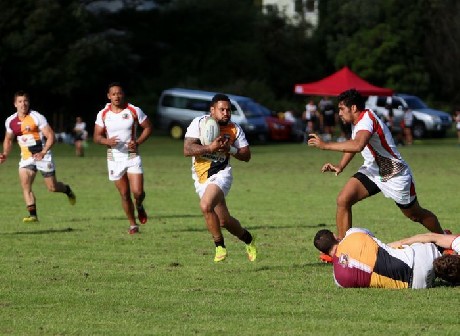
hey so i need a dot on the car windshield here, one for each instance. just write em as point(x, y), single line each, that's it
point(251, 109)
point(415, 103)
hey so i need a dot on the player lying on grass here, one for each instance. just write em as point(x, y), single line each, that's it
point(360, 260)
point(446, 267)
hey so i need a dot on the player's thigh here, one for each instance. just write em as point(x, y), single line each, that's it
point(136, 182)
point(50, 181)
point(122, 184)
point(353, 191)
point(212, 196)
point(413, 211)
point(27, 177)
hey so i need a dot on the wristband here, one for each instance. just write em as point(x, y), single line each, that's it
point(233, 150)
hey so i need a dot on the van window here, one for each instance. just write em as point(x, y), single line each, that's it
point(381, 101)
point(251, 109)
point(396, 103)
point(415, 103)
point(194, 104)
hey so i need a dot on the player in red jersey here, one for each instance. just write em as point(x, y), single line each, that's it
point(35, 138)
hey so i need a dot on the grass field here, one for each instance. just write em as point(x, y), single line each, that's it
point(78, 272)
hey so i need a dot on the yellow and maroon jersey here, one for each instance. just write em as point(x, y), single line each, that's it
point(361, 260)
point(27, 131)
point(207, 165)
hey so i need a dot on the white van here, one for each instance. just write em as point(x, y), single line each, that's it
point(178, 107)
point(426, 120)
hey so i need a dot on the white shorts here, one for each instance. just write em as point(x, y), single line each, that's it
point(456, 245)
point(424, 255)
point(119, 168)
point(223, 179)
point(45, 165)
point(400, 188)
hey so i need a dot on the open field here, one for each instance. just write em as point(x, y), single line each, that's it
point(78, 272)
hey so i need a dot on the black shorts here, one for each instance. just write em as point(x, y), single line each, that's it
point(373, 189)
point(329, 120)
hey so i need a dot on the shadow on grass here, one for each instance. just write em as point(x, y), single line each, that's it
point(257, 227)
point(312, 226)
point(178, 216)
point(47, 231)
point(295, 266)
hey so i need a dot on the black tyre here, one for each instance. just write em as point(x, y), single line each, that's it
point(418, 130)
point(176, 131)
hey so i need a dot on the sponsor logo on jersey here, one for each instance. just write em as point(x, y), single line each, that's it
point(215, 157)
point(343, 260)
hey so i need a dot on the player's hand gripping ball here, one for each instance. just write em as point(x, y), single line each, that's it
point(209, 130)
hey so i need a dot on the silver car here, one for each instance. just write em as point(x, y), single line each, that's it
point(426, 120)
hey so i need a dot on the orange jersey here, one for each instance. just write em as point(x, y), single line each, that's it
point(207, 165)
point(363, 261)
point(28, 132)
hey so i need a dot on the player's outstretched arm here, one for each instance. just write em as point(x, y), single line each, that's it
point(442, 240)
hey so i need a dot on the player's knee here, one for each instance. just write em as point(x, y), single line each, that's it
point(343, 200)
point(125, 196)
point(205, 207)
point(138, 195)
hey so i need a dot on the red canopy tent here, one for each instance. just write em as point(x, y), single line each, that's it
point(338, 82)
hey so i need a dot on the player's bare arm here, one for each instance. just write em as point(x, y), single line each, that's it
point(145, 134)
point(337, 169)
point(355, 145)
point(50, 138)
point(243, 154)
point(7, 145)
point(193, 146)
point(442, 240)
point(147, 129)
point(99, 137)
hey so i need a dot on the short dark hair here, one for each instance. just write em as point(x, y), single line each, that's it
point(219, 97)
point(324, 240)
point(21, 93)
point(352, 97)
point(112, 84)
point(447, 268)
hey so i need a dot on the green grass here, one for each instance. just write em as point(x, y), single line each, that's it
point(78, 272)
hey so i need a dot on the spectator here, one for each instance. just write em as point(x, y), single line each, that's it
point(310, 117)
point(457, 124)
point(407, 125)
point(80, 134)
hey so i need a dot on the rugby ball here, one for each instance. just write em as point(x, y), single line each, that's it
point(209, 130)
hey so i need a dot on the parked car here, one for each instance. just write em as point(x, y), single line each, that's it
point(178, 107)
point(278, 129)
point(427, 121)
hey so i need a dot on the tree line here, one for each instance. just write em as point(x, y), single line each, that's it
point(65, 55)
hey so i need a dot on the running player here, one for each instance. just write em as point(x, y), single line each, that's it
point(115, 127)
point(35, 138)
point(213, 177)
point(384, 170)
